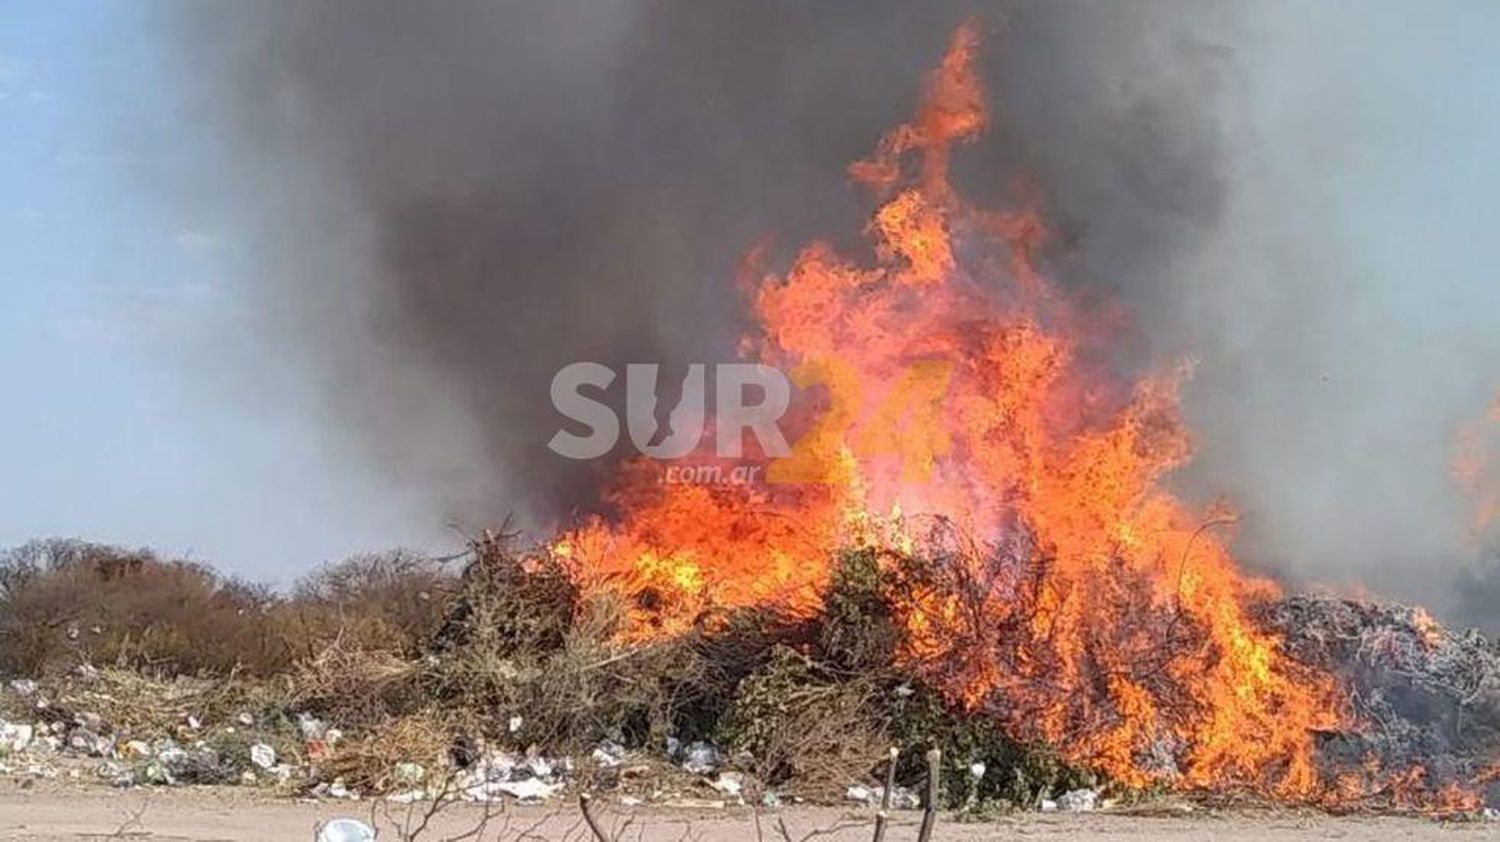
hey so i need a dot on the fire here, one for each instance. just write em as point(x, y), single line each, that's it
point(1473, 469)
point(962, 414)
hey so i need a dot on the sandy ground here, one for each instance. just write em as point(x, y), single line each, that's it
point(55, 813)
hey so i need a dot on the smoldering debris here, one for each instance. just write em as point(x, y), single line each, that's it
point(1425, 700)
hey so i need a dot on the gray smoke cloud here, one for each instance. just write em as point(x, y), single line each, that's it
point(452, 202)
point(458, 202)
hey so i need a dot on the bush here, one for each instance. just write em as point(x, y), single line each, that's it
point(810, 732)
point(521, 641)
point(355, 687)
point(860, 637)
point(1016, 774)
point(859, 632)
point(391, 602)
point(65, 602)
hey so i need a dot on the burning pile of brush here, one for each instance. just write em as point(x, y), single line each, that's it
point(969, 431)
point(970, 548)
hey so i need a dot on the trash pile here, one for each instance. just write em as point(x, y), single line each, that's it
point(1425, 700)
point(123, 730)
point(126, 730)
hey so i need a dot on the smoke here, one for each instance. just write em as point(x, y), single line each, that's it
point(453, 202)
point(1343, 306)
point(457, 204)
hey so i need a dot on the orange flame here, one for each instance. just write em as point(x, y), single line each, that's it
point(1098, 610)
point(1474, 470)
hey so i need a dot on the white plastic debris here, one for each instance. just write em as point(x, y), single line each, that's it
point(171, 754)
point(976, 770)
point(44, 745)
point(531, 789)
point(901, 797)
point(609, 754)
point(116, 774)
point(194, 722)
point(1079, 801)
point(263, 756)
point(729, 783)
point(312, 727)
point(337, 789)
point(1048, 805)
point(540, 766)
point(498, 773)
point(515, 723)
point(700, 758)
point(245, 719)
point(87, 742)
point(14, 736)
point(497, 766)
point(23, 686)
point(409, 774)
point(345, 830)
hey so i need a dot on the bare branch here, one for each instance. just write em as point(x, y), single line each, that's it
point(588, 816)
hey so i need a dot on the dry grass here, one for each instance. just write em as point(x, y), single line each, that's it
point(368, 761)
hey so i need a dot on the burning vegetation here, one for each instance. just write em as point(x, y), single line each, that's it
point(971, 419)
point(971, 548)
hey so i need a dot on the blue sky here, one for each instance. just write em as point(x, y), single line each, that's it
point(114, 308)
point(140, 410)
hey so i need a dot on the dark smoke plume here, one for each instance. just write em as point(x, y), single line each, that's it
point(454, 201)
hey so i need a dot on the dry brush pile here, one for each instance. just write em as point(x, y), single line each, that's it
point(399, 674)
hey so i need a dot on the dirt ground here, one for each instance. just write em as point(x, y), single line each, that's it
point(54, 813)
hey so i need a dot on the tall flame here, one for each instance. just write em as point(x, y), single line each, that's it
point(959, 390)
